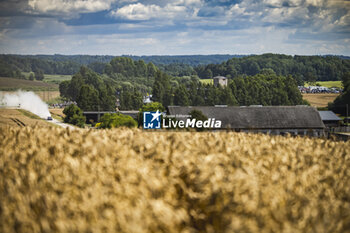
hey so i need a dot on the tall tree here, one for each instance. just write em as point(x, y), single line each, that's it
point(88, 98)
point(64, 89)
point(105, 93)
point(343, 100)
point(181, 96)
point(151, 69)
point(226, 97)
point(75, 86)
point(293, 93)
point(39, 75)
point(31, 76)
point(162, 89)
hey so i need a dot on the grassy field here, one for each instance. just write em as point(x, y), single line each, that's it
point(320, 100)
point(330, 84)
point(121, 180)
point(51, 78)
point(46, 91)
point(12, 84)
point(207, 81)
point(20, 118)
point(56, 78)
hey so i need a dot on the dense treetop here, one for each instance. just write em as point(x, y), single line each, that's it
point(261, 89)
point(342, 102)
point(268, 79)
point(89, 90)
point(302, 68)
point(70, 64)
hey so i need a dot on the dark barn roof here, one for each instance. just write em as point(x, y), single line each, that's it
point(270, 117)
point(328, 116)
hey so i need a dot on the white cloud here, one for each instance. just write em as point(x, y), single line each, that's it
point(250, 26)
point(343, 21)
point(127, 1)
point(67, 6)
point(286, 15)
point(247, 41)
point(315, 2)
point(275, 3)
point(137, 11)
point(236, 10)
point(187, 2)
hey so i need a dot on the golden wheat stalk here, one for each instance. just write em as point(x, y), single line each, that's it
point(123, 180)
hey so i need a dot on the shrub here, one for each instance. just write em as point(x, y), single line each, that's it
point(152, 107)
point(74, 115)
point(114, 120)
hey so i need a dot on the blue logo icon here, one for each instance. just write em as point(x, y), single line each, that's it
point(151, 120)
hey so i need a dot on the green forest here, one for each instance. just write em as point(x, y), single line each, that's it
point(13, 65)
point(96, 84)
point(260, 89)
point(130, 80)
point(302, 68)
point(342, 102)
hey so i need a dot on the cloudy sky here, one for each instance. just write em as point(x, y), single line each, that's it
point(164, 27)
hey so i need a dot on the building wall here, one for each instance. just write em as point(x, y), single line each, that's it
point(331, 123)
point(220, 81)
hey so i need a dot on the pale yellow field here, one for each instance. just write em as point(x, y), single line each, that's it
point(320, 100)
point(15, 118)
point(122, 180)
point(57, 111)
point(207, 81)
point(48, 95)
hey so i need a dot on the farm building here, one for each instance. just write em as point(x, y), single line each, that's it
point(277, 120)
point(329, 118)
point(220, 80)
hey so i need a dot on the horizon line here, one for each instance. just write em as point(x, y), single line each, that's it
point(174, 55)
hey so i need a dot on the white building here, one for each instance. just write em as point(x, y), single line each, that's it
point(220, 80)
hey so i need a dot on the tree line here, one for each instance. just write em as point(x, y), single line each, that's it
point(89, 90)
point(302, 68)
point(341, 104)
point(123, 79)
point(128, 81)
point(265, 88)
point(13, 65)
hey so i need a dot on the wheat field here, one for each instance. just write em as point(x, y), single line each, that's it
point(320, 99)
point(17, 118)
point(123, 180)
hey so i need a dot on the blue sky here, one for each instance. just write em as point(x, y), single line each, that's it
point(178, 27)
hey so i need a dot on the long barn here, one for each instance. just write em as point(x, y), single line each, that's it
point(277, 120)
